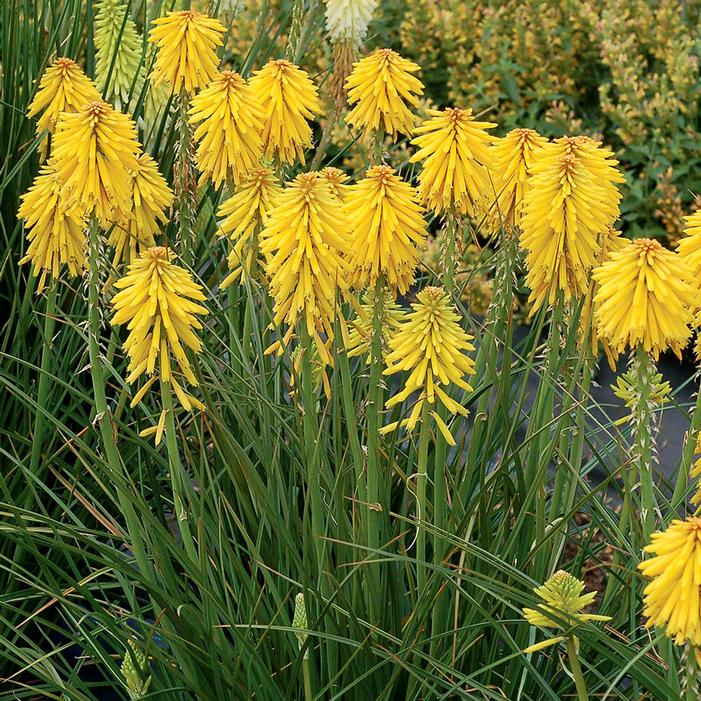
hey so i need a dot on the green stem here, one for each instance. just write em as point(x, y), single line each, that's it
point(691, 676)
point(308, 696)
point(374, 408)
point(440, 617)
point(43, 388)
point(582, 694)
point(645, 370)
point(325, 139)
point(178, 476)
point(680, 486)
point(421, 480)
point(351, 419)
point(451, 235)
point(312, 457)
point(184, 179)
point(103, 416)
point(378, 147)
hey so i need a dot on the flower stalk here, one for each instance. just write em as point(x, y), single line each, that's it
point(185, 186)
point(103, 416)
point(576, 669)
point(178, 475)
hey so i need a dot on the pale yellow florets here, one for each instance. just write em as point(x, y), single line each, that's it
point(229, 132)
point(646, 295)
point(94, 151)
point(456, 173)
point(338, 181)
point(243, 215)
point(186, 58)
point(388, 229)
point(151, 198)
point(689, 247)
point(513, 158)
point(432, 347)
point(306, 244)
point(158, 300)
point(563, 603)
point(382, 90)
point(348, 20)
point(571, 200)
point(289, 99)
point(672, 600)
point(63, 88)
point(55, 229)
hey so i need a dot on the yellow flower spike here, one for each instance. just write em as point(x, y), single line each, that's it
point(229, 132)
point(388, 228)
point(431, 344)
point(571, 200)
point(360, 334)
point(306, 243)
point(289, 98)
point(152, 197)
point(187, 43)
point(55, 229)
point(94, 150)
point(456, 159)
point(610, 240)
point(158, 301)
point(63, 88)
point(671, 599)
point(338, 181)
point(689, 247)
point(382, 90)
point(563, 603)
point(513, 157)
point(646, 295)
point(243, 214)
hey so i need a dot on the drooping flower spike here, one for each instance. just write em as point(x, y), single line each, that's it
point(689, 246)
point(229, 132)
point(571, 200)
point(382, 90)
point(646, 295)
point(388, 228)
point(94, 151)
point(186, 58)
point(55, 229)
point(457, 161)
point(243, 216)
point(513, 158)
point(672, 599)
point(151, 198)
point(63, 88)
point(159, 302)
point(289, 99)
point(306, 245)
point(431, 345)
